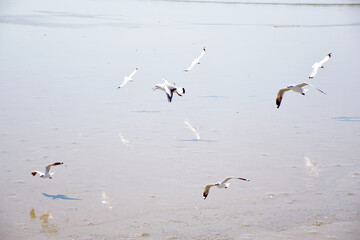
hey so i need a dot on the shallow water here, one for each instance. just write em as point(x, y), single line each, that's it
point(62, 62)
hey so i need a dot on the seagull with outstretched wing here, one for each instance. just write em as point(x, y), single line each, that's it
point(196, 61)
point(318, 65)
point(128, 78)
point(222, 184)
point(296, 88)
point(47, 173)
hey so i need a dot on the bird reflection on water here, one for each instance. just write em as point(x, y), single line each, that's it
point(45, 226)
point(64, 197)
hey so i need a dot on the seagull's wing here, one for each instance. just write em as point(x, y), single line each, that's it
point(47, 169)
point(207, 189)
point(194, 62)
point(168, 82)
point(314, 71)
point(300, 85)
point(169, 93)
point(325, 59)
point(201, 54)
point(126, 80)
point(280, 96)
point(133, 73)
point(160, 86)
point(316, 88)
point(228, 178)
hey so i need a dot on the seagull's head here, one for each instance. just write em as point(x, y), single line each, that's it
point(329, 54)
point(180, 91)
point(290, 86)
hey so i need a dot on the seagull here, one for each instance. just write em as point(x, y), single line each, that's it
point(192, 128)
point(318, 65)
point(169, 88)
point(296, 88)
point(196, 61)
point(47, 173)
point(128, 78)
point(223, 184)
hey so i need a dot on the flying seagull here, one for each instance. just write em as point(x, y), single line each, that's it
point(192, 128)
point(223, 184)
point(169, 88)
point(47, 173)
point(296, 88)
point(128, 78)
point(318, 65)
point(196, 61)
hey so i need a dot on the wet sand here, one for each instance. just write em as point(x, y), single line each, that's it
point(60, 67)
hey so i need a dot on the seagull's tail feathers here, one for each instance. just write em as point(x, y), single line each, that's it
point(227, 185)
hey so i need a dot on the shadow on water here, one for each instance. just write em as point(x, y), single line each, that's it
point(288, 3)
point(64, 197)
point(214, 97)
point(145, 111)
point(195, 140)
point(346, 119)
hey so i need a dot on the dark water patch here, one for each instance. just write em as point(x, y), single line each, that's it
point(290, 3)
point(60, 196)
point(77, 15)
point(195, 140)
point(145, 111)
point(346, 119)
point(59, 20)
point(214, 97)
point(278, 25)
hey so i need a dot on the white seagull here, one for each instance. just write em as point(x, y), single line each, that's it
point(192, 128)
point(296, 88)
point(128, 78)
point(223, 184)
point(318, 65)
point(196, 60)
point(169, 88)
point(47, 173)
